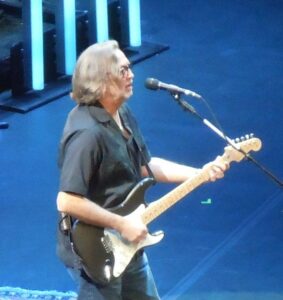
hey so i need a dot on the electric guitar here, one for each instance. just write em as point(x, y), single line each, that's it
point(105, 254)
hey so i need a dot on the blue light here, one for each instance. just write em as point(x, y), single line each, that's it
point(134, 23)
point(70, 36)
point(37, 61)
point(102, 20)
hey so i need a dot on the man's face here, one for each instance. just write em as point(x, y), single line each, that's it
point(122, 87)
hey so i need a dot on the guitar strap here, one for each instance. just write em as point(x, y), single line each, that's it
point(150, 173)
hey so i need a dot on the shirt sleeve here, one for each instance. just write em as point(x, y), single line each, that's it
point(80, 162)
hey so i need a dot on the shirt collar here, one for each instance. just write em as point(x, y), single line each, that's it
point(98, 112)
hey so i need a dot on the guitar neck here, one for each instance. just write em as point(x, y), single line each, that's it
point(230, 154)
point(159, 206)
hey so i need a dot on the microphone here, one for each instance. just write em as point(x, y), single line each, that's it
point(155, 84)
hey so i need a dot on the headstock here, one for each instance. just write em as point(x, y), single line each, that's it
point(242, 145)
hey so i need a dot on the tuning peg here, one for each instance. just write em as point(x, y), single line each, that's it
point(237, 140)
point(247, 136)
point(251, 135)
point(242, 138)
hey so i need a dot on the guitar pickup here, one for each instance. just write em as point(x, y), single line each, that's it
point(107, 244)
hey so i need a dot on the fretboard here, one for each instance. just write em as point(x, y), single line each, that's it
point(159, 206)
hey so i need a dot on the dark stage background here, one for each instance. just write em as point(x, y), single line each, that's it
point(231, 52)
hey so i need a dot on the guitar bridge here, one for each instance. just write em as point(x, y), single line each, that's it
point(107, 244)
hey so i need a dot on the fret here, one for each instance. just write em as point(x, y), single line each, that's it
point(159, 206)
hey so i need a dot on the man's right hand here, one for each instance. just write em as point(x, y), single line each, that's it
point(133, 229)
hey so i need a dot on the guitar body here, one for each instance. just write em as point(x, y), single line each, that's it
point(103, 252)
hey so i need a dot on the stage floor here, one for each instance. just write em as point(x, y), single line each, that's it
point(224, 240)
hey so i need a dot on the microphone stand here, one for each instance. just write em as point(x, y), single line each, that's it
point(189, 108)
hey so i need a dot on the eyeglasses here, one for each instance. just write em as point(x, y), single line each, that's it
point(125, 71)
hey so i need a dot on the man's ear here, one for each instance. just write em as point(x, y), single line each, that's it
point(112, 82)
point(108, 85)
point(110, 78)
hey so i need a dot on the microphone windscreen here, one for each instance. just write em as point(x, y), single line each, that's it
point(152, 84)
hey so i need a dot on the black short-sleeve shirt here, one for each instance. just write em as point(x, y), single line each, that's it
point(96, 160)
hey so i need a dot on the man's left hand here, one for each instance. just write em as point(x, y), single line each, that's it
point(216, 169)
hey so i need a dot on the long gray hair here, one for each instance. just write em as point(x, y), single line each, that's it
point(92, 70)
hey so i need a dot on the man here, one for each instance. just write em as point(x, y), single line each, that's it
point(102, 157)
